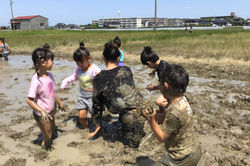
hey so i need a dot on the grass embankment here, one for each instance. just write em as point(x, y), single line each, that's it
point(226, 49)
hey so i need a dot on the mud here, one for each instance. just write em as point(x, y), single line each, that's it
point(221, 111)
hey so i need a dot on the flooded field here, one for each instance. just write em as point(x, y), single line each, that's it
point(221, 108)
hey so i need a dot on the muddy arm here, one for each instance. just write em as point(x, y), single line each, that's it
point(161, 135)
point(33, 104)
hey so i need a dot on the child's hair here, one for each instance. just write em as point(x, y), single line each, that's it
point(39, 54)
point(117, 41)
point(46, 46)
point(3, 40)
point(177, 77)
point(111, 52)
point(80, 53)
point(148, 55)
point(81, 44)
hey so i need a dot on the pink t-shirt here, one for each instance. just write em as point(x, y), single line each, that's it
point(42, 89)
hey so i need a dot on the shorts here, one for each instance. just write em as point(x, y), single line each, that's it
point(191, 160)
point(84, 104)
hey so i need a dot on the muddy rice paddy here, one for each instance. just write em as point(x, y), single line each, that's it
point(221, 110)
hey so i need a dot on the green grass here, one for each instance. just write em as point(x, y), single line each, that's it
point(227, 43)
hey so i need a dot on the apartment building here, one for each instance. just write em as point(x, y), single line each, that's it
point(120, 22)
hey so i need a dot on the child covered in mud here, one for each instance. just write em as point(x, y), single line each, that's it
point(152, 60)
point(114, 89)
point(117, 42)
point(42, 95)
point(84, 72)
point(177, 130)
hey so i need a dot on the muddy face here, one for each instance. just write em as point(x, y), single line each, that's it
point(220, 106)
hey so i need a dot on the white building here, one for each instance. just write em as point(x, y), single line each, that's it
point(120, 22)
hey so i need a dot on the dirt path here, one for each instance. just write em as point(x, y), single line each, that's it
point(221, 111)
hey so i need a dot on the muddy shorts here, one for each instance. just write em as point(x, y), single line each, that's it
point(39, 118)
point(190, 160)
point(84, 104)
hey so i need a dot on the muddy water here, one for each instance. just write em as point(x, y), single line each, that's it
point(221, 111)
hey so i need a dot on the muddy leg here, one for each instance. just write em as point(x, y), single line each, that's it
point(46, 130)
point(83, 118)
point(53, 128)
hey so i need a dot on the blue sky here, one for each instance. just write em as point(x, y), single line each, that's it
point(84, 11)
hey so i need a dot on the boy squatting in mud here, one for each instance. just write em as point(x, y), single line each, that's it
point(177, 130)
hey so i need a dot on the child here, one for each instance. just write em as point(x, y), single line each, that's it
point(177, 130)
point(81, 44)
point(117, 43)
point(42, 95)
point(4, 48)
point(114, 89)
point(46, 46)
point(84, 72)
point(151, 59)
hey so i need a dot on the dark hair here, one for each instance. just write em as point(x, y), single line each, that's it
point(148, 55)
point(177, 77)
point(81, 44)
point(117, 41)
point(46, 46)
point(39, 54)
point(2, 39)
point(80, 53)
point(111, 52)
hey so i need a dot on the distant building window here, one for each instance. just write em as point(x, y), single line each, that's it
point(41, 24)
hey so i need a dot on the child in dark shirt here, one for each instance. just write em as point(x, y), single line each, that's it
point(152, 60)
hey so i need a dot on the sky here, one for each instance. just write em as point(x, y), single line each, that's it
point(82, 12)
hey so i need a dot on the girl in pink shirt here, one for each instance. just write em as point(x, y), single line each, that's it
point(84, 72)
point(42, 95)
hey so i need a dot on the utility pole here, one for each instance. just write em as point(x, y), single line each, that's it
point(155, 15)
point(11, 22)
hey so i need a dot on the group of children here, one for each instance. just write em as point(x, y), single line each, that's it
point(174, 112)
point(42, 94)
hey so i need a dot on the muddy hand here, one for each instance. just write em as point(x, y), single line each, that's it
point(150, 87)
point(46, 116)
point(62, 108)
point(152, 74)
point(148, 113)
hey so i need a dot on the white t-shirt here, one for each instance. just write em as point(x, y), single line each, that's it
point(4, 47)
